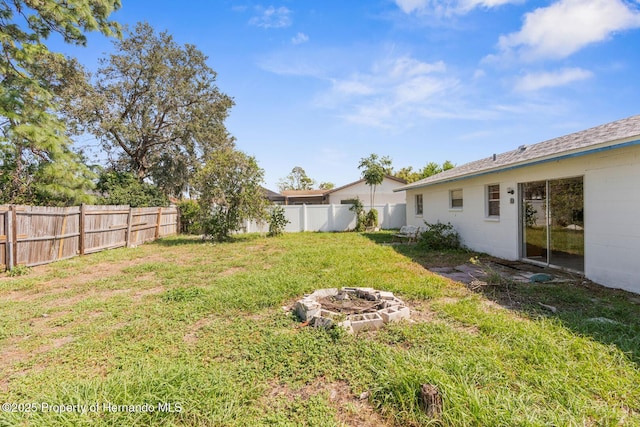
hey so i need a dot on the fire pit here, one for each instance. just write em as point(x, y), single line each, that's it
point(354, 309)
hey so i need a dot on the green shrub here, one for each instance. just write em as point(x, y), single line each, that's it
point(440, 236)
point(372, 218)
point(277, 221)
point(219, 224)
point(358, 209)
point(190, 217)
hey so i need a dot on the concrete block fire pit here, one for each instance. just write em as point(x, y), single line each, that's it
point(354, 309)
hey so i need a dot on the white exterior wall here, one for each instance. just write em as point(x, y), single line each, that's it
point(331, 218)
point(384, 193)
point(611, 212)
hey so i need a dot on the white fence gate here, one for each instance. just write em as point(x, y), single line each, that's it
point(332, 218)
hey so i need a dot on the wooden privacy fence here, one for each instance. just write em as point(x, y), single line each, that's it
point(34, 235)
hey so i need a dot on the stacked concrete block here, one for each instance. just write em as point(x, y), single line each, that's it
point(366, 322)
point(392, 309)
point(307, 308)
point(394, 314)
point(323, 293)
point(385, 295)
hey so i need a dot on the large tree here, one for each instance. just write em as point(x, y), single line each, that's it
point(155, 106)
point(37, 164)
point(230, 192)
point(296, 180)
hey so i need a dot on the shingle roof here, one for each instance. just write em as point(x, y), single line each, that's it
point(391, 177)
point(303, 193)
point(604, 135)
point(270, 194)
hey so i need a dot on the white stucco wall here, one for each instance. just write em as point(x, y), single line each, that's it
point(384, 193)
point(331, 218)
point(611, 212)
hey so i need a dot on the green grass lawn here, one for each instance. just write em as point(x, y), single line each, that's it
point(194, 334)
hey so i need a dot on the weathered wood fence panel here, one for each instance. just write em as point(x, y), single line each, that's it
point(34, 235)
point(44, 234)
point(4, 219)
point(144, 226)
point(105, 227)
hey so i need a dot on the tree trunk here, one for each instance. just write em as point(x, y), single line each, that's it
point(431, 400)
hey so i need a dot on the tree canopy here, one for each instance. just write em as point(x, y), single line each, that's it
point(230, 189)
point(431, 168)
point(296, 180)
point(326, 186)
point(156, 108)
point(37, 163)
point(374, 168)
point(123, 188)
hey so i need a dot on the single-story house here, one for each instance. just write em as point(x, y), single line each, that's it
point(344, 195)
point(273, 197)
point(305, 197)
point(571, 202)
point(360, 189)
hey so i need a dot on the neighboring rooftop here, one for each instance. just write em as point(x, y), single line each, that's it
point(604, 136)
point(303, 193)
point(391, 177)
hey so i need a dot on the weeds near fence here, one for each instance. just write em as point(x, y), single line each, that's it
point(18, 270)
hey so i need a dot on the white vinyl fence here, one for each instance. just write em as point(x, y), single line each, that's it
point(332, 218)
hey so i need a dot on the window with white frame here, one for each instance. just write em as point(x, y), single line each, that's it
point(418, 204)
point(455, 199)
point(493, 200)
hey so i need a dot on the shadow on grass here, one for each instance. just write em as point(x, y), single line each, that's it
point(180, 240)
point(190, 239)
point(609, 316)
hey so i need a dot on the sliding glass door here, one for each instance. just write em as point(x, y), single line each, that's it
point(552, 230)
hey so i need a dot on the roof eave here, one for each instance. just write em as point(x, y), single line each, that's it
point(517, 165)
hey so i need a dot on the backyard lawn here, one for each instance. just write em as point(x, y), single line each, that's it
point(191, 333)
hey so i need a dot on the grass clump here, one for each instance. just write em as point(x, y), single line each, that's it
point(182, 294)
point(18, 270)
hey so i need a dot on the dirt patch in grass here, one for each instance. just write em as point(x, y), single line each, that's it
point(421, 311)
point(351, 410)
point(56, 343)
point(142, 293)
point(231, 271)
point(191, 337)
point(13, 354)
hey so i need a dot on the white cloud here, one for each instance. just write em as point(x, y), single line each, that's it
point(479, 73)
point(448, 7)
point(567, 26)
point(300, 38)
point(408, 67)
point(352, 87)
point(272, 17)
point(409, 6)
point(392, 91)
point(467, 5)
point(535, 81)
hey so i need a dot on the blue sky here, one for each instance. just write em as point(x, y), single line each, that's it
point(322, 83)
